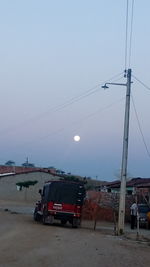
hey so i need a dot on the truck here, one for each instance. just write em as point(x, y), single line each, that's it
point(60, 200)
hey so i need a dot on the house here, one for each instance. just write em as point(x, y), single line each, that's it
point(11, 175)
point(132, 186)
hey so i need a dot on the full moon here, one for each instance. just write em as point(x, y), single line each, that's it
point(76, 138)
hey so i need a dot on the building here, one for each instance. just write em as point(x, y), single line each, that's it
point(136, 186)
point(10, 176)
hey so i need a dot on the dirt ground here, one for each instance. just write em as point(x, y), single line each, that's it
point(24, 242)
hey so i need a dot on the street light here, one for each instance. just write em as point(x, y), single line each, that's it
point(106, 87)
point(121, 218)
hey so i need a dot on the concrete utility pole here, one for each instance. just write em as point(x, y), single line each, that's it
point(121, 218)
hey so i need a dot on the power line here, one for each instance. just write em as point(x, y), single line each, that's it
point(80, 97)
point(128, 39)
point(126, 35)
point(140, 128)
point(113, 77)
point(76, 99)
point(146, 86)
point(131, 32)
point(79, 121)
point(67, 103)
point(101, 109)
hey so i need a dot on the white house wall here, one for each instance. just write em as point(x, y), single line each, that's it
point(8, 188)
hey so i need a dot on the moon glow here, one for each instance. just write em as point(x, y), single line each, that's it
point(76, 138)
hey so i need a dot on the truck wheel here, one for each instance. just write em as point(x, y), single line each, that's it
point(44, 218)
point(36, 216)
point(63, 221)
point(75, 222)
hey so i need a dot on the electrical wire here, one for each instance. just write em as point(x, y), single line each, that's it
point(140, 128)
point(113, 77)
point(128, 39)
point(79, 121)
point(131, 33)
point(102, 109)
point(147, 87)
point(78, 98)
point(126, 34)
point(60, 107)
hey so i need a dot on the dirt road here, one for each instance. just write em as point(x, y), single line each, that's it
point(24, 242)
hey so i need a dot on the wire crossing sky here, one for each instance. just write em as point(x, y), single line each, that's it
point(55, 55)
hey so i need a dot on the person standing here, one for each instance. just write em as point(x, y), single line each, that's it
point(134, 210)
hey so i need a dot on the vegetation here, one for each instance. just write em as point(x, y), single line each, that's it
point(70, 178)
point(26, 184)
point(10, 163)
point(27, 164)
point(60, 172)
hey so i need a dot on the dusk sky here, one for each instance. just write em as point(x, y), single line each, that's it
point(52, 55)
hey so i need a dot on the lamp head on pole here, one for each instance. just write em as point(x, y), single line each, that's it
point(105, 86)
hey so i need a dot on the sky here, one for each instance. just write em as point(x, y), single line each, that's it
point(54, 58)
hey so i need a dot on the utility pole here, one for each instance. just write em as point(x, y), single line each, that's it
point(121, 218)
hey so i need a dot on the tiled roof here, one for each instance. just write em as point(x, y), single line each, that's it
point(10, 170)
point(114, 184)
point(138, 181)
point(144, 185)
point(133, 182)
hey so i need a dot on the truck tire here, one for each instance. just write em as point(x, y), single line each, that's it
point(47, 219)
point(63, 221)
point(44, 217)
point(36, 216)
point(75, 222)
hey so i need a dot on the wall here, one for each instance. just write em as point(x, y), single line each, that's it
point(104, 206)
point(8, 188)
